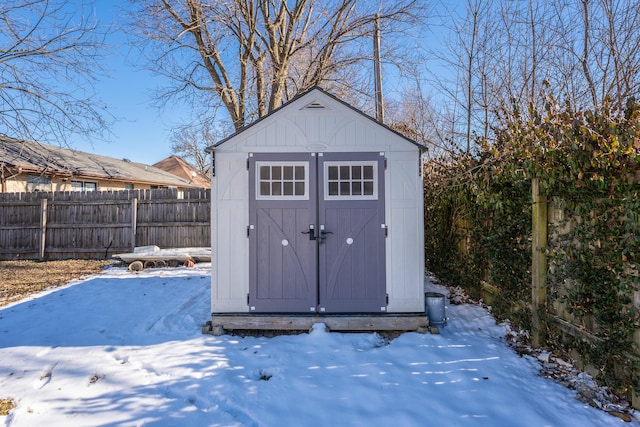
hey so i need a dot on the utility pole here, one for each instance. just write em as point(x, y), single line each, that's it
point(378, 70)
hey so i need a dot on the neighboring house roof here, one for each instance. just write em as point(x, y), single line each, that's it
point(177, 166)
point(324, 92)
point(34, 157)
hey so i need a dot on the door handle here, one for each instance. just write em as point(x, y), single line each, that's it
point(311, 232)
point(323, 235)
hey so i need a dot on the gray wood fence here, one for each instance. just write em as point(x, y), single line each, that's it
point(96, 225)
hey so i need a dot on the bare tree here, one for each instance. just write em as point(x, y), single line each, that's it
point(584, 61)
point(49, 58)
point(614, 47)
point(466, 53)
point(250, 56)
point(529, 50)
point(486, 59)
point(190, 141)
point(470, 53)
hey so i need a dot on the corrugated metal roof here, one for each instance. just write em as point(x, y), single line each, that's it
point(50, 160)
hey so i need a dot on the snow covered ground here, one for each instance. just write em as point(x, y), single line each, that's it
point(125, 349)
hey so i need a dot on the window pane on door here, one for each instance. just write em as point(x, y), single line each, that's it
point(287, 190)
point(265, 173)
point(355, 180)
point(282, 180)
point(276, 172)
point(276, 189)
point(265, 189)
point(368, 172)
point(356, 188)
point(333, 188)
point(368, 188)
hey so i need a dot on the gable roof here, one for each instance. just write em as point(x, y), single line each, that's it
point(34, 157)
point(314, 105)
point(177, 166)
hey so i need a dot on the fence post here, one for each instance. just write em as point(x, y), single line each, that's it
point(538, 260)
point(43, 227)
point(635, 395)
point(134, 222)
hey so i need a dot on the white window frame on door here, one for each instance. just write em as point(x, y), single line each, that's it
point(294, 164)
point(350, 180)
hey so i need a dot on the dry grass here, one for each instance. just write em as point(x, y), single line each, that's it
point(19, 279)
point(6, 405)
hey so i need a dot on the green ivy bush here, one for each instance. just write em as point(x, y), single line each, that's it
point(589, 163)
point(477, 228)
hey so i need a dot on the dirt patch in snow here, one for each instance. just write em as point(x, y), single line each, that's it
point(19, 279)
point(6, 405)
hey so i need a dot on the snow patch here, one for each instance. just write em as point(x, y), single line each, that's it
point(124, 349)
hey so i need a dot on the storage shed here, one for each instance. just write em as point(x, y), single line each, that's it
point(317, 216)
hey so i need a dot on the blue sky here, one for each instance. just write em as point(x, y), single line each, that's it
point(141, 131)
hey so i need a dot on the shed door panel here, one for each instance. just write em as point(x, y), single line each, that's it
point(317, 236)
point(351, 211)
point(283, 261)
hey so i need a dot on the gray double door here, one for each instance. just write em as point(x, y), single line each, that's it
point(317, 233)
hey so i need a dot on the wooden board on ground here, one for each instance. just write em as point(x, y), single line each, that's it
point(220, 323)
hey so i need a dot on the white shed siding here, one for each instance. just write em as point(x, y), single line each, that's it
point(336, 129)
point(405, 249)
point(230, 247)
point(277, 133)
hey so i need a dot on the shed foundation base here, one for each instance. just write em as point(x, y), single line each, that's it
point(223, 323)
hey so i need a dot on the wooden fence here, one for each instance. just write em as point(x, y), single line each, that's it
point(96, 225)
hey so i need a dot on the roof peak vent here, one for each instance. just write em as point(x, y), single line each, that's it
point(315, 105)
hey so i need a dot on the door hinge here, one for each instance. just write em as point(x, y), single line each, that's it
point(247, 299)
point(386, 229)
point(387, 299)
point(248, 230)
point(247, 163)
point(385, 163)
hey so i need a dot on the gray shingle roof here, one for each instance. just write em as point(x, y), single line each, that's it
point(50, 160)
point(177, 166)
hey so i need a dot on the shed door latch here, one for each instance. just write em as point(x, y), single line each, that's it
point(311, 232)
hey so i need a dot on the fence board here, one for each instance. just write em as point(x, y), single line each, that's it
point(95, 225)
